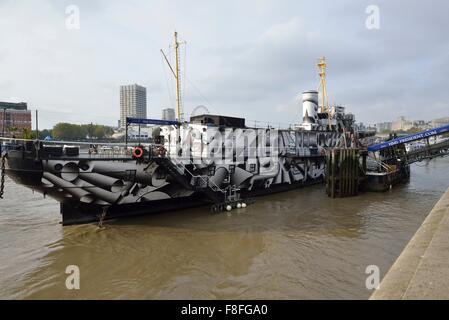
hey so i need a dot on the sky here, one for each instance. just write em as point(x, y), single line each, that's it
point(241, 58)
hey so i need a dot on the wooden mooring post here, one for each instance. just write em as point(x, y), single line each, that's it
point(343, 172)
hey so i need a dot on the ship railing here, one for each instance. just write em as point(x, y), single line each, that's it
point(380, 165)
point(439, 148)
point(87, 149)
point(262, 124)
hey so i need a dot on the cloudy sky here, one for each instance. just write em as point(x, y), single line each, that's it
point(242, 58)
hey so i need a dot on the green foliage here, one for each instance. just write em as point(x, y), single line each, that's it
point(12, 130)
point(44, 133)
point(28, 134)
point(68, 131)
point(414, 130)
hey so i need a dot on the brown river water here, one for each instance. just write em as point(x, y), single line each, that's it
point(294, 245)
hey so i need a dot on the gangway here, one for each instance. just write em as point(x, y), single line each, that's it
point(395, 149)
point(409, 138)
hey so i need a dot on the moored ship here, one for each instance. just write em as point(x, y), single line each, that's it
point(211, 160)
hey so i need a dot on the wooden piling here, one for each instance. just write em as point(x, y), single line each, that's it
point(342, 172)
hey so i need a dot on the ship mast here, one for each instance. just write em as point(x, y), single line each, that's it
point(178, 81)
point(176, 74)
point(322, 72)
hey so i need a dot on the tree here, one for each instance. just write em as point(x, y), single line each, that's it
point(45, 133)
point(68, 131)
point(28, 134)
point(12, 130)
point(414, 130)
point(101, 132)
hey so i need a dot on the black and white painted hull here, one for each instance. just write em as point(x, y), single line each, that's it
point(85, 186)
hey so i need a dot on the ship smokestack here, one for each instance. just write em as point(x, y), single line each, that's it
point(310, 107)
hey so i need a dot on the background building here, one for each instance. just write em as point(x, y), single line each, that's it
point(439, 122)
point(14, 118)
point(133, 102)
point(402, 124)
point(168, 114)
point(419, 123)
point(384, 126)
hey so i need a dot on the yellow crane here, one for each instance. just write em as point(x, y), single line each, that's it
point(322, 72)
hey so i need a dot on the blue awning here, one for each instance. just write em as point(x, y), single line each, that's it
point(151, 121)
point(409, 138)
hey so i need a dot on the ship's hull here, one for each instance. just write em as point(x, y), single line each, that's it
point(30, 173)
point(384, 181)
point(76, 213)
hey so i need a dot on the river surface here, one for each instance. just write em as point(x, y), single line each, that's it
point(294, 245)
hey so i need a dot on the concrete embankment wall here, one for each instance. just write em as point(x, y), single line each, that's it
point(422, 269)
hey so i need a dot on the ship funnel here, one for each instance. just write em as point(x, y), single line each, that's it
point(310, 107)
